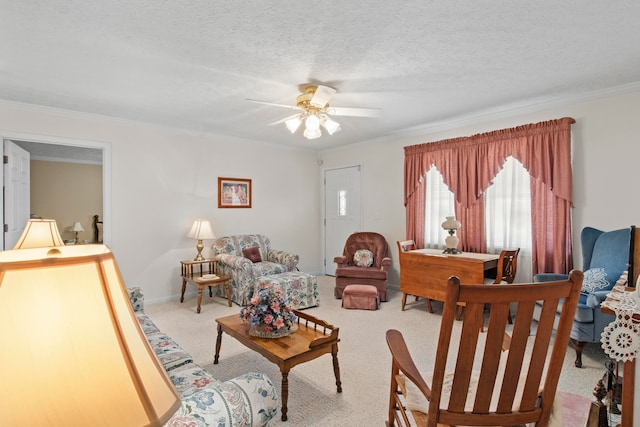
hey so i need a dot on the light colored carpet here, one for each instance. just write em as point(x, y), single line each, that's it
point(365, 362)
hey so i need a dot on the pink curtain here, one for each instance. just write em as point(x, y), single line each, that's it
point(468, 164)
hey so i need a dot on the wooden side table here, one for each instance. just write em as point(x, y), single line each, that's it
point(201, 274)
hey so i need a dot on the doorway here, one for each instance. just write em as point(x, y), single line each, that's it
point(343, 211)
point(63, 150)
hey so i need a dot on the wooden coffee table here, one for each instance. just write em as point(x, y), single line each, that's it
point(313, 338)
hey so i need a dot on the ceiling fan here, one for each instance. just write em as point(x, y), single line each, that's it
point(314, 111)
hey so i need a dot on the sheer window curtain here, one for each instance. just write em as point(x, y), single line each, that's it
point(507, 216)
point(438, 205)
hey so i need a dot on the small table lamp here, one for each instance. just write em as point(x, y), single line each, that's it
point(74, 345)
point(39, 233)
point(200, 230)
point(77, 227)
point(451, 242)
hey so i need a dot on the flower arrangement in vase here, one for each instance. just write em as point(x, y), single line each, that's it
point(268, 314)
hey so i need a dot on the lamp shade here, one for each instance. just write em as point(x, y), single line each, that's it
point(201, 229)
point(330, 125)
point(39, 233)
point(293, 124)
point(74, 346)
point(77, 226)
point(312, 133)
point(451, 223)
point(312, 122)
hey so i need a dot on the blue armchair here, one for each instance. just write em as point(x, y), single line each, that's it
point(605, 256)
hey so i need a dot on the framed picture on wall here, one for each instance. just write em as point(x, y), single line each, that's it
point(234, 193)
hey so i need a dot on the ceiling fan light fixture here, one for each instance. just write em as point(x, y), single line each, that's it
point(313, 109)
point(312, 133)
point(293, 124)
point(312, 123)
point(330, 125)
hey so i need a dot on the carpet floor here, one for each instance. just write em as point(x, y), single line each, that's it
point(364, 358)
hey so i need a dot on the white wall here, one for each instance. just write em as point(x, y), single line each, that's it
point(606, 151)
point(163, 179)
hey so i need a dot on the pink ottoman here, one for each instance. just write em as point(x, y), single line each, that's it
point(364, 297)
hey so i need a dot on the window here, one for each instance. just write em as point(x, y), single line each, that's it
point(474, 157)
point(507, 212)
point(342, 203)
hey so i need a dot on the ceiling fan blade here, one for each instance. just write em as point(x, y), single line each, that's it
point(322, 96)
point(277, 122)
point(291, 107)
point(354, 112)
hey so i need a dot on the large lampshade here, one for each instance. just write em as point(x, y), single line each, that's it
point(200, 230)
point(39, 233)
point(74, 353)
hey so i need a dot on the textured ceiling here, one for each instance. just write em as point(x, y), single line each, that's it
point(191, 64)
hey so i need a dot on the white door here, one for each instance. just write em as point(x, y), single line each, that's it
point(16, 192)
point(342, 210)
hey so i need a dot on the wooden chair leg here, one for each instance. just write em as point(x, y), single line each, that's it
point(579, 346)
point(404, 300)
point(429, 305)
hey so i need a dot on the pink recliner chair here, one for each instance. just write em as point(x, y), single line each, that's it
point(364, 261)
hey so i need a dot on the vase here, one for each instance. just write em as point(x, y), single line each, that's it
point(260, 331)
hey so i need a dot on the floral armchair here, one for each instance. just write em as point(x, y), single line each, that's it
point(246, 257)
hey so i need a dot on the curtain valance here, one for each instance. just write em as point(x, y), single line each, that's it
point(468, 164)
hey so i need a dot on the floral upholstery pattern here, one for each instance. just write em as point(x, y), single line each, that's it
point(137, 299)
point(228, 251)
point(248, 400)
point(301, 289)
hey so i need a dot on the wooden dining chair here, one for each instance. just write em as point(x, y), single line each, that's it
point(506, 270)
point(507, 266)
point(484, 384)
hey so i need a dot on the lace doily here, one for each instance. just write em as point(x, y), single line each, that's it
point(621, 338)
point(621, 301)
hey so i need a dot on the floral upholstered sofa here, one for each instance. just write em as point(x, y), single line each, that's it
point(246, 257)
point(248, 400)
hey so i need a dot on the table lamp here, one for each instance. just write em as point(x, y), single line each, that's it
point(39, 233)
point(74, 348)
point(451, 241)
point(200, 230)
point(77, 227)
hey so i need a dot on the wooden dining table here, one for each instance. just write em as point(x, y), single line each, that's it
point(424, 272)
